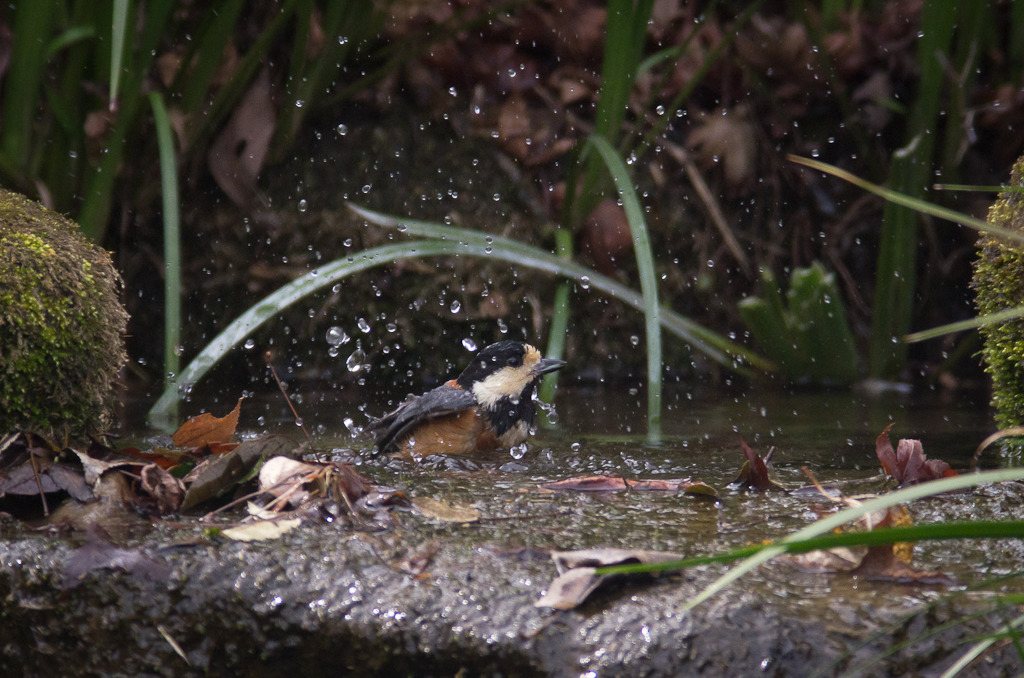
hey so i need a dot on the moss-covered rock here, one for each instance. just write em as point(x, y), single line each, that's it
point(61, 323)
point(999, 285)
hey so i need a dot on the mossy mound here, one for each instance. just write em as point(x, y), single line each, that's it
point(999, 285)
point(61, 323)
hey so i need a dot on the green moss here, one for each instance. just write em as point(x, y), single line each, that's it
point(61, 323)
point(999, 284)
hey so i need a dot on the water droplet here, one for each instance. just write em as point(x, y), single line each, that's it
point(575, 447)
point(635, 340)
point(469, 344)
point(356, 360)
point(299, 103)
point(502, 327)
point(585, 282)
point(342, 129)
point(456, 306)
point(336, 336)
point(303, 205)
point(342, 39)
point(364, 326)
point(249, 344)
point(519, 451)
point(391, 327)
point(453, 91)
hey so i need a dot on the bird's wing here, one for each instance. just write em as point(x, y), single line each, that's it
point(444, 399)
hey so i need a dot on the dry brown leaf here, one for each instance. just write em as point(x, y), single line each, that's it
point(588, 484)
point(207, 429)
point(262, 530)
point(236, 157)
point(438, 510)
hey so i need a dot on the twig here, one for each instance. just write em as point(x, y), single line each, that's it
point(173, 643)
point(39, 482)
point(298, 419)
point(1015, 431)
point(710, 204)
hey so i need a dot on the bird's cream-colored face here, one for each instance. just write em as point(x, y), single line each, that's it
point(509, 381)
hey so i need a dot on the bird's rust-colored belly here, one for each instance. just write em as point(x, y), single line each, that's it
point(451, 434)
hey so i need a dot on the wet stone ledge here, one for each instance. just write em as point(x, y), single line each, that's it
point(321, 602)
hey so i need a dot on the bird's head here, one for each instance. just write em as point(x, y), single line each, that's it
point(507, 370)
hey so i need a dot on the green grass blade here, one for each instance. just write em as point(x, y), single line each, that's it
point(118, 31)
point(648, 276)
point(23, 79)
point(976, 651)
point(559, 319)
point(969, 324)
point(210, 55)
point(716, 347)
point(841, 518)
point(1004, 529)
point(522, 255)
point(172, 243)
point(922, 206)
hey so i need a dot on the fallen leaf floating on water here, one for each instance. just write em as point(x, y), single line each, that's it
point(754, 474)
point(578, 576)
point(908, 464)
point(206, 429)
point(438, 510)
point(601, 483)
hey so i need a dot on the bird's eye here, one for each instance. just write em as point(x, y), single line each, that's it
point(515, 361)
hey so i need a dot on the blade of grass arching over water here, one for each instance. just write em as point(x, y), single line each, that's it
point(839, 519)
point(172, 246)
point(717, 348)
point(648, 276)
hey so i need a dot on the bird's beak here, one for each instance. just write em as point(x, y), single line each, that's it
point(548, 365)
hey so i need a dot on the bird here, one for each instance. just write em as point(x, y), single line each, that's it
point(488, 406)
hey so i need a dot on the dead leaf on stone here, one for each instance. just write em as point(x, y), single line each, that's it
point(438, 510)
point(570, 589)
point(883, 563)
point(262, 530)
point(578, 576)
point(284, 477)
point(588, 484)
point(602, 483)
point(220, 474)
point(163, 488)
point(206, 429)
point(98, 553)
